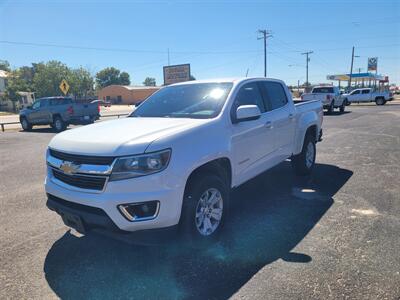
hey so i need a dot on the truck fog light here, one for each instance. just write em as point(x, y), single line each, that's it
point(140, 211)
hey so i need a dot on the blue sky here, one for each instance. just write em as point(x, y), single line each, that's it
point(218, 38)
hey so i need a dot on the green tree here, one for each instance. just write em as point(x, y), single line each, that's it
point(15, 84)
point(48, 76)
point(5, 65)
point(111, 75)
point(124, 79)
point(81, 83)
point(149, 81)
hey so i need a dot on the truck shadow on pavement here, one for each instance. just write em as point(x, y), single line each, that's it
point(270, 215)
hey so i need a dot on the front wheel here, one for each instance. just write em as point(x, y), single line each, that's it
point(204, 208)
point(331, 107)
point(26, 126)
point(304, 162)
point(342, 107)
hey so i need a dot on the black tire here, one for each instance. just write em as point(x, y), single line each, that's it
point(197, 187)
point(299, 162)
point(26, 126)
point(342, 107)
point(380, 101)
point(331, 108)
point(58, 124)
point(346, 102)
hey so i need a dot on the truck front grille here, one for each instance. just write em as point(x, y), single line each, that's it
point(82, 159)
point(81, 181)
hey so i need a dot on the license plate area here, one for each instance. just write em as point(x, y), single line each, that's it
point(86, 118)
point(73, 221)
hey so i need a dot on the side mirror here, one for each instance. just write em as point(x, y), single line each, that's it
point(29, 107)
point(247, 113)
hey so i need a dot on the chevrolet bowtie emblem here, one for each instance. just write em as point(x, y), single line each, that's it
point(69, 167)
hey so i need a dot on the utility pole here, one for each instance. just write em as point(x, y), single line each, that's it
point(168, 56)
point(265, 34)
point(351, 68)
point(307, 60)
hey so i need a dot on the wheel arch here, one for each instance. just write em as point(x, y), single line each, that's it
point(311, 129)
point(222, 166)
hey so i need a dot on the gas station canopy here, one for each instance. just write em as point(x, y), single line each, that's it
point(357, 77)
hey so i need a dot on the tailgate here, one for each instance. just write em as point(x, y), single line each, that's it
point(86, 109)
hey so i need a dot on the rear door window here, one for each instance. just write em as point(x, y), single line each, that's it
point(274, 95)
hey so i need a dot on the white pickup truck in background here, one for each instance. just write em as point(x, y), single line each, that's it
point(174, 160)
point(328, 95)
point(367, 95)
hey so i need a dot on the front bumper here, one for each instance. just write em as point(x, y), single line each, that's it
point(160, 187)
point(89, 217)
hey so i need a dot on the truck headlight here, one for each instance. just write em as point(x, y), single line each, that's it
point(140, 165)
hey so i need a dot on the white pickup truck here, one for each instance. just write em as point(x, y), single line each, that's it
point(367, 95)
point(328, 95)
point(174, 160)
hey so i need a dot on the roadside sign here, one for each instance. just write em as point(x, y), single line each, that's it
point(64, 86)
point(176, 73)
point(372, 64)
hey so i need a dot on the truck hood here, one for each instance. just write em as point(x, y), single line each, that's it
point(120, 137)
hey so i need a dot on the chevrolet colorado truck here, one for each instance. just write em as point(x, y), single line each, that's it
point(174, 160)
point(367, 95)
point(58, 112)
point(328, 95)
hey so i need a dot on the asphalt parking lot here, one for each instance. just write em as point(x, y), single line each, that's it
point(334, 235)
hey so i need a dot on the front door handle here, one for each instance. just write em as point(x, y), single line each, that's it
point(268, 124)
point(291, 116)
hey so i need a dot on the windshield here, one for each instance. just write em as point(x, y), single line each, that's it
point(200, 101)
point(323, 90)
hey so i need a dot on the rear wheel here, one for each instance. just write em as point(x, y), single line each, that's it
point(58, 124)
point(380, 101)
point(26, 126)
point(304, 162)
point(204, 208)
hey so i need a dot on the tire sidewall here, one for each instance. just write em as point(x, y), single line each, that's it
point(331, 107)
point(198, 185)
point(25, 124)
point(307, 141)
point(299, 161)
point(58, 121)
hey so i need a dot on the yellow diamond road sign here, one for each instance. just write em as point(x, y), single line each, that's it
point(64, 86)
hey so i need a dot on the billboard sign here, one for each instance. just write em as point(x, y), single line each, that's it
point(177, 73)
point(372, 64)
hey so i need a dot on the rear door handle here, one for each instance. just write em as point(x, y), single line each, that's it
point(268, 124)
point(291, 116)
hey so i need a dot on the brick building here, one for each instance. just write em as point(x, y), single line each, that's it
point(125, 94)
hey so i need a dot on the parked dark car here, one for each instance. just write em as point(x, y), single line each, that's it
point(58, 112)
